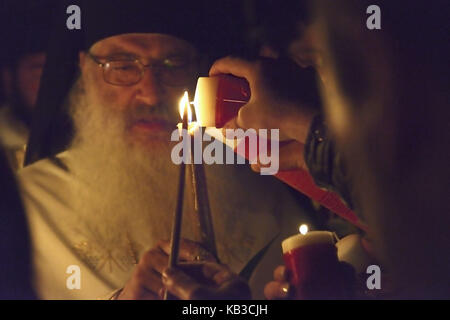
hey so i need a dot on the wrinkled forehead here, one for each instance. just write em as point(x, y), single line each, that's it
point(147, 45)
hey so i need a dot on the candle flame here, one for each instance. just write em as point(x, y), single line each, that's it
point(303, 229)
point(195, 103)
point(193, 126)
point(184, 103)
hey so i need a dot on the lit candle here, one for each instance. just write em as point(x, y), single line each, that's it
point(293, 244)
point(198, 179)
point(313, 266)
point(178, 213)
point(303, 229)
point(219, 98)
point(185, 112)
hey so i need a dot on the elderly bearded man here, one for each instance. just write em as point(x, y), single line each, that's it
point(105, 201)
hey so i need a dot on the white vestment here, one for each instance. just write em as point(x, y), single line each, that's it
point(247, 217)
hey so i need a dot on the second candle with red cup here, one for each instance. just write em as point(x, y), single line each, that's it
point(314, 269)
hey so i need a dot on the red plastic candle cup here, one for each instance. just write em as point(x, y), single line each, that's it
point(312, 264)
point(219, 98)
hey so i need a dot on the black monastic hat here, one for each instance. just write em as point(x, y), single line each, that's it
point(215, 28)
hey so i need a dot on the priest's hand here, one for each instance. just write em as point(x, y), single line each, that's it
point(268, 107)
point(205, 281)
point(146, 283)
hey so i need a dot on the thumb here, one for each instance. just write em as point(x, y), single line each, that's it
point(232, 65)
point(179, 284)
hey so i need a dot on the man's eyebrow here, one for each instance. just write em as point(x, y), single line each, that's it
point(121, 54)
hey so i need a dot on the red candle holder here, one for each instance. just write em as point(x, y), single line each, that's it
point(314, 269)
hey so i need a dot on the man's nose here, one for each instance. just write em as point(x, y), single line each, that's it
point(150, 88)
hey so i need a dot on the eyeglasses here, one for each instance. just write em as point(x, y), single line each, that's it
point(172, 71)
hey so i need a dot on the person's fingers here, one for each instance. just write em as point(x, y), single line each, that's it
point(291, 157)
point(255, 167)
point(227, 285)
point(228, 129)
point(189, 251)
point(180, 284)
point(148, 279)
point(210, 269)
point(218, 273)
point(223, 276)
point(231, 124)
point(232, 65)
point(280, 274)
point(277, 290)
point(164, 245)
point(140, 293)
point(148, 295)
point(250, 116)
point(155, 259)
point(144, 284)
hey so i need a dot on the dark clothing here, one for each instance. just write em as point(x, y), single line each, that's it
point(15, 252)
point(324, 162)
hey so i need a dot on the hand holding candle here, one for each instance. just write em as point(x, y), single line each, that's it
point(205, 281)
point(282, 95)
point(145, 282)
point(312, 269)
point(221, 97)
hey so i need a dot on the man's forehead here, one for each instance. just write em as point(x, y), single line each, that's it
point(143, 45)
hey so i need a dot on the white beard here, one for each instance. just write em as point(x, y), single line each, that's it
point(124, 190)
